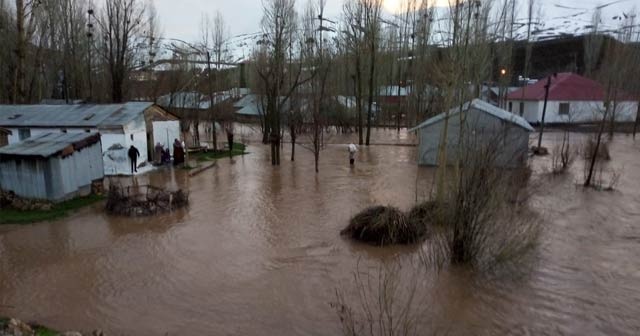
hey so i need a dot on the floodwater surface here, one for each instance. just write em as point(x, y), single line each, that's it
point(258, 252)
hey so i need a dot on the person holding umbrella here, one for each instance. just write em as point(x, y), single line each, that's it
point(352, 153)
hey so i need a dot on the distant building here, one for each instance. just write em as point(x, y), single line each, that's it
point(572, 99)
point(141, 124)
point(52, 166)
point(484, 124)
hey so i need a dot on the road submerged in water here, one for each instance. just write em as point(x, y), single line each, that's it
point(258, 252)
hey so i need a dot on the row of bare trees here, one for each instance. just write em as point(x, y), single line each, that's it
point(73, 49)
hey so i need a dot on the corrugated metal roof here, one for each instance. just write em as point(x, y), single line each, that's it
point(249, 105)
point(45, 145)
point(483, 107)
point(81, 115)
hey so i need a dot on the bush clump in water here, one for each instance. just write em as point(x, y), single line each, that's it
point(384, 225)
point(423, 216)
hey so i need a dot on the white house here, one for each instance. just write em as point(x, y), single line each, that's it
point(141, 124)
point(572, 99)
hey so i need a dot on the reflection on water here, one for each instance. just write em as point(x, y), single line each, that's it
point(258, 252)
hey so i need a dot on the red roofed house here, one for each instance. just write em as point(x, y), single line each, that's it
point(572, 99)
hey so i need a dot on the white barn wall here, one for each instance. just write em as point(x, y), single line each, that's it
point(114, 154)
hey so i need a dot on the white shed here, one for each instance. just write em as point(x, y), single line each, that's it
point(484, 124)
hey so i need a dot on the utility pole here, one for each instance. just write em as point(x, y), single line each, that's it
point(89, 43)
point(544, 110)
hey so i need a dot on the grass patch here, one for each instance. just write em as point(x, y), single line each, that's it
point(59, 210)
point(44, 331)
point(38, 329)
point(238, 149)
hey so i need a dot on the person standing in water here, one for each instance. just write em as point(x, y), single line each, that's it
point(134, 154)
point(352, 154)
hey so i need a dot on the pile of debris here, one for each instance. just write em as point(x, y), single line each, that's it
point(8, 199)
point(144, 200)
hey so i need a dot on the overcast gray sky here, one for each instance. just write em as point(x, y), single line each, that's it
point(181, 18)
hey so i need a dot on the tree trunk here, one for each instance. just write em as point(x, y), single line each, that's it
point(214, 138)
point(635, 124)
point(293, 145)
point(594, 155)
point(359, 99)
point(612, 125)
point(372, 69)
point(18, 73)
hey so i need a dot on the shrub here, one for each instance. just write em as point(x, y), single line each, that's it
point(589, 148)
point(384, 225)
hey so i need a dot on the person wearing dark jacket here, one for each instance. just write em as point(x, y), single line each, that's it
point(134, 154)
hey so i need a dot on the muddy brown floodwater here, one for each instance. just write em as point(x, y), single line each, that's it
point(258, 253)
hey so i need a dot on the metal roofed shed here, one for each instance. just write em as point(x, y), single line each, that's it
point(484, 125)
point(52, 166)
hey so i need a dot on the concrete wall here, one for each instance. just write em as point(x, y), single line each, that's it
point(481, 129)
point(579, 111)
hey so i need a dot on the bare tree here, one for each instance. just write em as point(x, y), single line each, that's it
point(353, 34)
point(278, 24)
point(25, 24)
point(372, 24)
point(121, 23)
point(316, 55)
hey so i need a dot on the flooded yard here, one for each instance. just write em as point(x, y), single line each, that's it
point(258, 252)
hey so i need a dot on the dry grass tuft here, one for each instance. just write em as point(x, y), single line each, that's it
point(384, 225)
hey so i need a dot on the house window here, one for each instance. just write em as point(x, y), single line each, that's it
point(564, 109)
point(510, 106)
point(24, 133)
point(521, 108)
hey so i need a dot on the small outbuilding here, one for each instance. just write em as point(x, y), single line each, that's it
point(52, 166)
point(484, 125)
